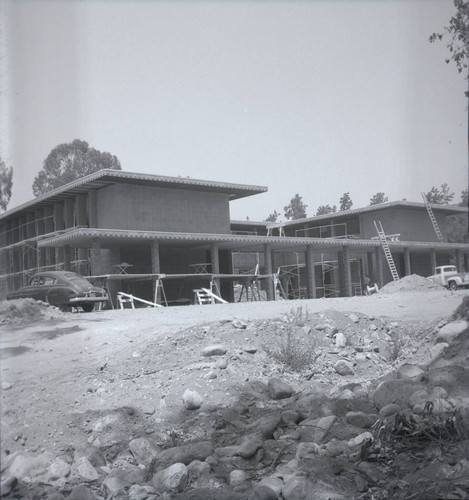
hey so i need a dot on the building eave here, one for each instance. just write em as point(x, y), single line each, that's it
point(107, 177)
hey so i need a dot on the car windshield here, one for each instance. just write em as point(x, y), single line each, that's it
point(77, 279)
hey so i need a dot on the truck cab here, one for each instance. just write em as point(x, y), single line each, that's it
point(449, 277)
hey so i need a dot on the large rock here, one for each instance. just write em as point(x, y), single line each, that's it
point(268, 424)
point(340, 340)
point(25, 466)
point(92, 453)
point(141, 492)
point(450, 331)
point(237, 477)
point(263, 493)
point(316, 430)
point(298, 488)
point(192, 399)
point(408, 370)
point(395, 391)
point(344, 367)
point(279, 389)
point(144, 450)
point(83, 468)
point(273, 483)
point(360, 419)
point(248, 447)
point(172, 479)
point(214, 350)
point(184, 454)
point(81, 492)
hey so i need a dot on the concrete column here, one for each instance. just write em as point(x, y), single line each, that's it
point(59, 225)
point(268, 270)
point(30, 249)
point(49, 228)
point(155, 257)
point(347, 277)
point(458, 259)
point(95, 260)
point(82, 221)
point(93, 209)
point(80, 210)
point(113, 286)
point(69, 213)
point(432, 259)
point(67, 258)
point(310, 272)
point(379, 276)
point(215, 261)
point(407, 265)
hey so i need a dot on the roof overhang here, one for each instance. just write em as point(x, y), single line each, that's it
point(84, 237)
point(104, 178)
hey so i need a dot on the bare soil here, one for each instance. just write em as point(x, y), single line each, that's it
point(62, 373)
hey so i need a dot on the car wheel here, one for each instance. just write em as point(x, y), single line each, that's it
point(453, 285)
point(87, 307)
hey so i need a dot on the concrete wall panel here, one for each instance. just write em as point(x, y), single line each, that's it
point(126, 206)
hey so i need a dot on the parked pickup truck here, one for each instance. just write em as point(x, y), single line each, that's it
point(448, 276)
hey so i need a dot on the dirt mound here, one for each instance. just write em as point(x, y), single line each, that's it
point(412, 283)
point(22, 312)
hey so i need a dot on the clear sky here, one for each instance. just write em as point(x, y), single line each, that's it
point(309, 97)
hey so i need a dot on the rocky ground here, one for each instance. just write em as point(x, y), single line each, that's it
point(364, 397)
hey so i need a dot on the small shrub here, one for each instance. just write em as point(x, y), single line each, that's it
point(296, 317)
point(397, 345)
point(292, 353)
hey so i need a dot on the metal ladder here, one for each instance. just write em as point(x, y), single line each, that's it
point(387, 251)
point(432, 218)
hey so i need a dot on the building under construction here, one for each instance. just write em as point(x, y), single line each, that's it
point(164, 239)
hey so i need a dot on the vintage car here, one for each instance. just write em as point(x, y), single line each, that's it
point(63, 289)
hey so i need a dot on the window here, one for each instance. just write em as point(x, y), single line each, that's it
point(48, 280)
point(37, 281)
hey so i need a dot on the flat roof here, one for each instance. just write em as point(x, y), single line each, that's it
point(107, 177)
point(83, 237)
point(346, 214)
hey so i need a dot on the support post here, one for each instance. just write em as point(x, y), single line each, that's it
point(59, 225)
point(49, 228)
point(67, 258)
point(432, 259)
point(458, 260)
point(268, 271)
point(215, 261)
point(407, 265)
point(379, 267)
point(95, 257)
point(310, 272)
point(347, 278)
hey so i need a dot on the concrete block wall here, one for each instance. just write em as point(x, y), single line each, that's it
point(412, 225)
point(132, 207)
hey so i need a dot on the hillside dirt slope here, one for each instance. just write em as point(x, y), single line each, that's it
point(249, 400)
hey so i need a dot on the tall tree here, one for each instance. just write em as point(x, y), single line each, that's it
point(345, 202)
point(296, 209)
point(71, 161)
point(6, 183)
point(273, 217)
point(464, 198)
point(378, 198)
point(440, 196)
point(456, 35)
point(326, 209)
